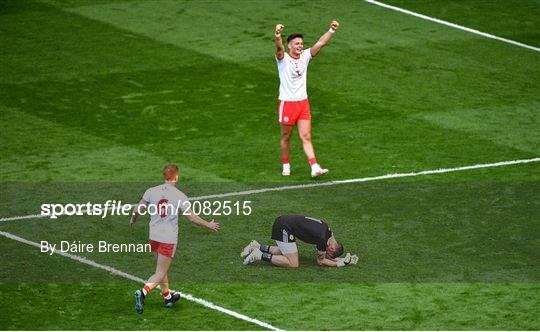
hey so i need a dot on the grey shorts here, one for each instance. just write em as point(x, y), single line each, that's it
point(287, 247)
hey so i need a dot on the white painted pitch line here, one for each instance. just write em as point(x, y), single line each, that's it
point(374, 178)
point(30, 216)
point(332, 183)
point(453, 25)
point(122, 274)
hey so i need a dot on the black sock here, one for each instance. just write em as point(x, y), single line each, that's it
point(267, 257)
point(265, 248)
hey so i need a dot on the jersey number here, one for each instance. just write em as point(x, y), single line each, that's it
point(162, 207)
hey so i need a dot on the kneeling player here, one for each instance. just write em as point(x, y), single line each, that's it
point(285, 231)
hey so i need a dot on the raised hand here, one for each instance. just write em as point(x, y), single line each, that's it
point(279, 29)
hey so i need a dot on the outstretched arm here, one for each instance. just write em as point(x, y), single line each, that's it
point(280, 50)
point(213, 226)
point(315, 49)
point(136, 211)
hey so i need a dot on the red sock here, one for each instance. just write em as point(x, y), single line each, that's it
point(146, 289)
point(166, 294)
point(285, 159)
point(312, 161)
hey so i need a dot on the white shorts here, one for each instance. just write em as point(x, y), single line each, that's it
point(287, 247)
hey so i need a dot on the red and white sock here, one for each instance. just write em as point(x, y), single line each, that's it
point(313, 163)
point(285, 160)
point(166, 295)
point(146, 289)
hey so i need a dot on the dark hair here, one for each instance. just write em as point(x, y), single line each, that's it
point(339, 250)
point(294, 35)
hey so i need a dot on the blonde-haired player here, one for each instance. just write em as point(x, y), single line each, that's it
point(167, 200)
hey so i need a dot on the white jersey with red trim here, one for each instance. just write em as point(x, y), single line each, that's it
point(293, 76)
point(164, 203)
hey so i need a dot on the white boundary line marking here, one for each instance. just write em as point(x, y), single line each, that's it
point(453, 25)
point(333, 183)
point(30, 216)
point(122, 274)
point(373, 178)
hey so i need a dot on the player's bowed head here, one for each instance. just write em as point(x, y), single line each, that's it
point(334, 249)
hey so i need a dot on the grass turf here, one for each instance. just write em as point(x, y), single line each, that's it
point(95, 92)
point(427, 306)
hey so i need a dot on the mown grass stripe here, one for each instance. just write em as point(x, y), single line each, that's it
point(332, 183)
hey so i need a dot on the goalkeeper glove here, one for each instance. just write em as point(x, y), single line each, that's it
point(348, 259)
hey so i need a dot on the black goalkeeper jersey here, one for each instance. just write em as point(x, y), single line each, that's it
point(307, 229)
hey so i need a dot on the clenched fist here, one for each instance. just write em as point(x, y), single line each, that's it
point(279, 28)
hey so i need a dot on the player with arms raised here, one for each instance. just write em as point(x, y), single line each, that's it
point(167, 200)
point(293, 105)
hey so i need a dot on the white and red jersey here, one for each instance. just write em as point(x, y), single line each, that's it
point(293, 76)
point(164, 203)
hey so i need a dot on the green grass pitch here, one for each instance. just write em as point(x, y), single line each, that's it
point(96, 96)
